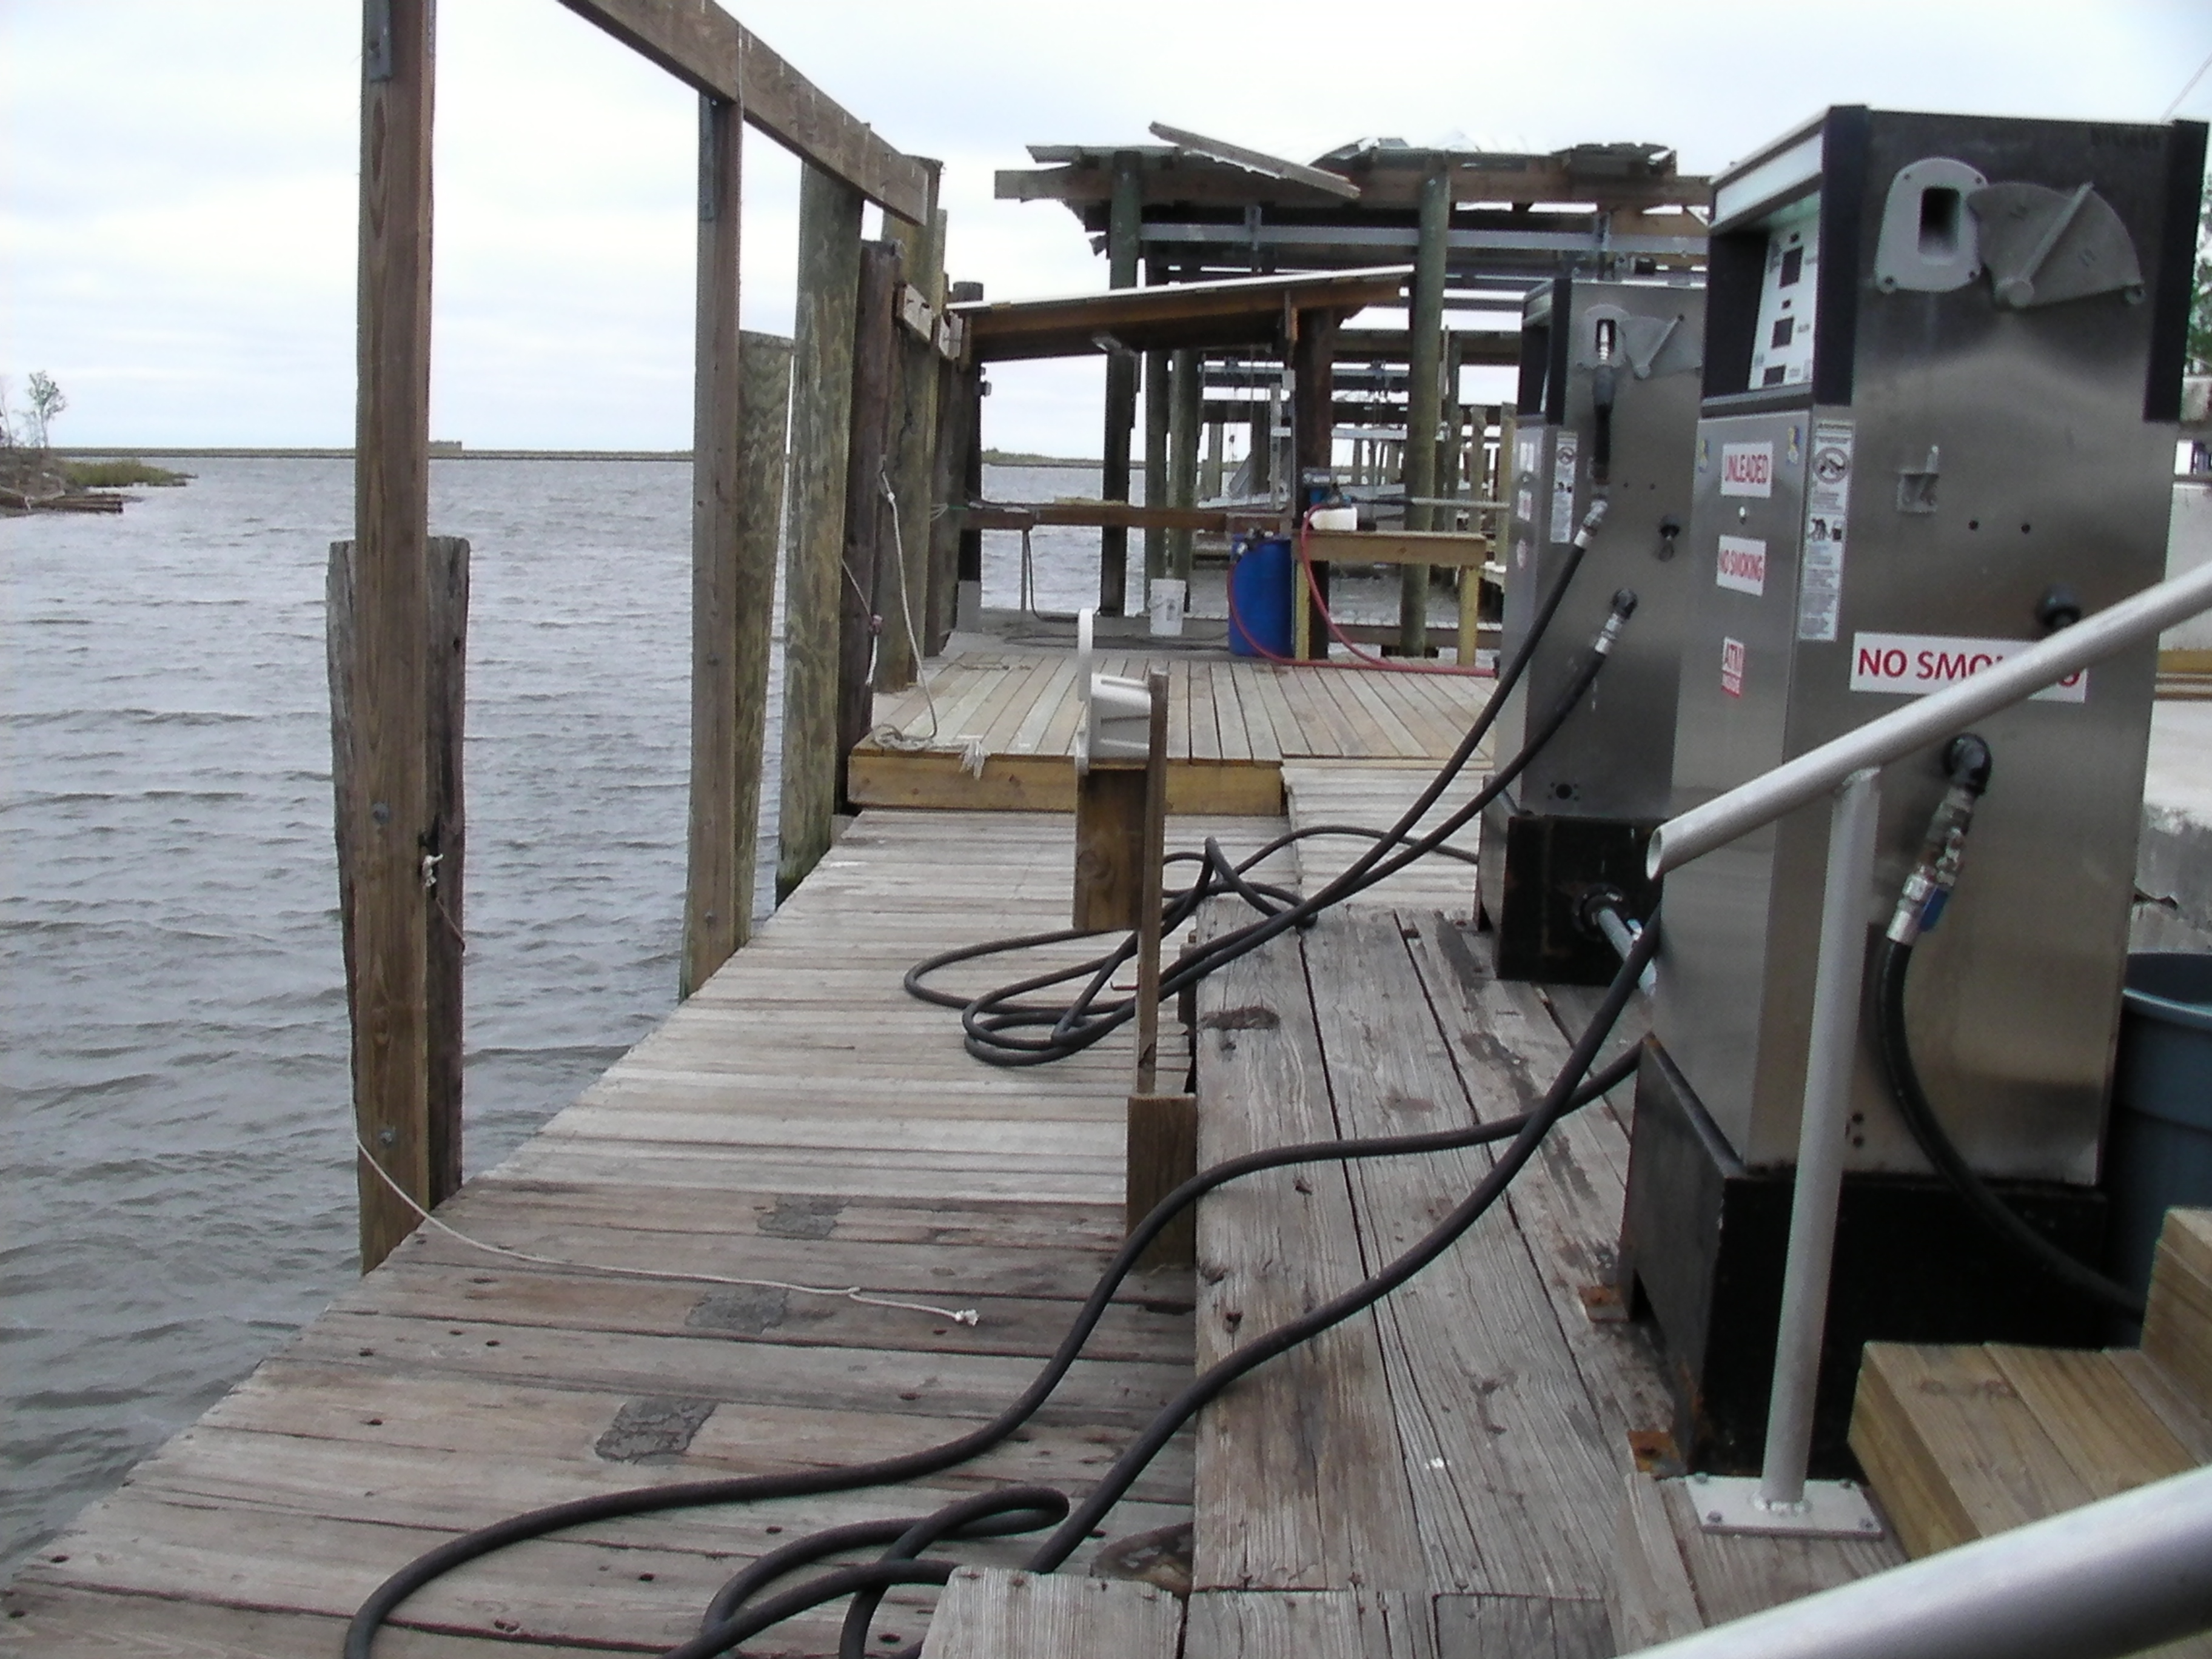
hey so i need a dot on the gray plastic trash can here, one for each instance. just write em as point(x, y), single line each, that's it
point(2159, 1155)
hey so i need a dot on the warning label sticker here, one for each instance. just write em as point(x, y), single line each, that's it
point(1742, 566)
point(1828, 504)
point(1732, 658)
point(1524, 452)
point(1913, 664)
point(1748, 470)
point(1564, 455)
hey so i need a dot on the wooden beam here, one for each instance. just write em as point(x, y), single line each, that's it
point(1236, 311)
point(1455, 549)
point(717, 889)
point(1423, 391)
point(946, 594)
point(902, 588)
point(821, 436)
point(394, 825)
point(1312, 445)
point(445, 664)
point(867, 514)
point(1023, 515)
point(1259, 161)
point(1124, 223)
point(698, 42)
point(1184, 398)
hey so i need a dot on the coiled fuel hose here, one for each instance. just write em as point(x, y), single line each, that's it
point(1920, 906)
point(1002, 1027)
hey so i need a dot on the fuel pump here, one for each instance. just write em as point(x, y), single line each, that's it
point(1942, 369)
point(1608, 408)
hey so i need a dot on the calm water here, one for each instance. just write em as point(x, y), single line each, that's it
point(173, 1117)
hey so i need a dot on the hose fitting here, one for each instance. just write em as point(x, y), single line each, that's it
point(1624, 607)
point(1591, 520)
point(1967, 761)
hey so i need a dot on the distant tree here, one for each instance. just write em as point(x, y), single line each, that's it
point(7, 417)
point(2200, 297)
point(46, 402)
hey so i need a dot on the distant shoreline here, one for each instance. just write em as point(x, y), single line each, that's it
point(108, 451)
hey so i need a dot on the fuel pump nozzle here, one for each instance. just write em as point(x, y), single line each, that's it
point(1967, 761)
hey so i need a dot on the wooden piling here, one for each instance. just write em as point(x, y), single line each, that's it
point(1423, 387)
point(955, 551)
point(867, 514)
point(1124, 227)
point(1211, 468)
point(903, 586)
point(444, 660)
point(1155, 458)
point(718, 889)
point(1313, 411)
point(392, 824)
point(1186, 392)
point(821, 434)
point(1162, 1137)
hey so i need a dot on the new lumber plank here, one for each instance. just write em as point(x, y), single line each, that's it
point(994, 1613)
point(699, 43)
point(2178, 1323)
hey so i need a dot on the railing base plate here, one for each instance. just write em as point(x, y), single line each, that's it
point(1831, 1508)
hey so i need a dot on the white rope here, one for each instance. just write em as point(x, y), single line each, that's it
point(850, 1293)
point(893, 737)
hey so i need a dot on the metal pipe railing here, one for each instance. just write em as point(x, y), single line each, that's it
point(1849, 768)
point(2109, 1578)
point(1938, 715)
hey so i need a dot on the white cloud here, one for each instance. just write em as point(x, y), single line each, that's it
point(178, 193)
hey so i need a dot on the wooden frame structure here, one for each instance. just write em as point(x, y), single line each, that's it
point(397, 787)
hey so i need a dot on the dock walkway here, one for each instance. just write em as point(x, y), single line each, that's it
point(799, 1118)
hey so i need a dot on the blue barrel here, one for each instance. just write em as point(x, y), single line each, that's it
point(2159, 1152)
point(1261, 613)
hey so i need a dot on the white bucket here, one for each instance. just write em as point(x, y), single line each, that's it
point(1335, 518)
point(1165, 599)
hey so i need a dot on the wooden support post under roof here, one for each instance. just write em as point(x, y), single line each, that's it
point(1125, 220)
point(1183, 455)
point(698, 42)
point(967, 546)
point(718, 882)
point(821, 433)
point(1158, 416)
point(949, 488)
point(1313, 443)
point(1424, 379)
point(867, 514)
point(393, 826)
point(902, 584)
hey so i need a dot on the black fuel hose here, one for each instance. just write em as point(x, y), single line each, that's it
point(1893, 962)
point(1558, 1100)
point(993, 1024)
point(434, 1564)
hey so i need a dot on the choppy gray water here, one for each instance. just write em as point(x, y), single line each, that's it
point(173, 1119)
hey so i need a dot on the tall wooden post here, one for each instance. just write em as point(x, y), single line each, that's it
point(1210, 468)
point(867, 514)
point(393, 828)
point(1155, 457)
point(718, 891)
point(1313, 443)
point(1424, 388)
point(1185, 406)
point(1124, 228)
point(821, 433)
point(903, 586)
point(1263, 450)
point(956, 578)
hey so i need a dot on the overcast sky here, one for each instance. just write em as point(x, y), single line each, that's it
point(177, 193)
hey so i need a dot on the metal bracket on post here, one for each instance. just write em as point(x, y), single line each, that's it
point(1781, 1500)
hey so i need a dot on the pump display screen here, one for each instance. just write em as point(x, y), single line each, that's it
point(1782, 351)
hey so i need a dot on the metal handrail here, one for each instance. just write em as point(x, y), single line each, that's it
point(1847, 769)
point(1938, 715)
point(2111, 1577)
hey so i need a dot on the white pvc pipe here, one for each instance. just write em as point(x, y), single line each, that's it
point(2113, 1577)
point(1838, 985)
point(1940, 714)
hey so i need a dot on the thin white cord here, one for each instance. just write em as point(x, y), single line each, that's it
point(892, 737)
point(850, 1293)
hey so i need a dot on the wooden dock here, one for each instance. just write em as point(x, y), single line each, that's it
point(799, 1118)
point(995, 726)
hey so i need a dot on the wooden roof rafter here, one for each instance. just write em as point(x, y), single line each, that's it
point(700, 44)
